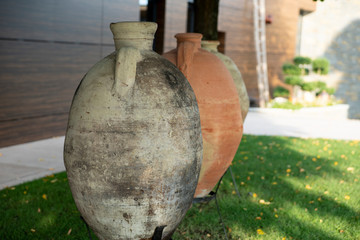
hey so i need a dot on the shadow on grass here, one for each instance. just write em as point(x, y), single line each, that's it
point(285, 190)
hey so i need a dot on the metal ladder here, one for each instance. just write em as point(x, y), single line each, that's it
point(260, 47)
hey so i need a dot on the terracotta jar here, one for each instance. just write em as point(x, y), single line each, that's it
point(211, 46)
point(133, 145)
point(220, 111)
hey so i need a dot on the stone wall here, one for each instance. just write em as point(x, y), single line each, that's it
point(333, 31)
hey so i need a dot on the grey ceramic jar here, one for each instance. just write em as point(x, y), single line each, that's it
point(133, 145)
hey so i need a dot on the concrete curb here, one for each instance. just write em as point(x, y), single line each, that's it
point(339, 111)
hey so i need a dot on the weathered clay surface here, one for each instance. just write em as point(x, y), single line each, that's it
point(133, 157)
point(211, 46)
point(219, 106)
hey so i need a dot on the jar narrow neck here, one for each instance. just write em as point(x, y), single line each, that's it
point(211, 45)
point(196, 43)
point(194, 38)
point(139, 43)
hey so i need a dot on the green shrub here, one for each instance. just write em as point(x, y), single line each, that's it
point(281, 92)
point(287, 105)
point(330, 91)
point(291, 69)
point(294, 80)
point(317, 86)
point(321, 65)
point(309, 86)
point(301, 60)
point(320, 86)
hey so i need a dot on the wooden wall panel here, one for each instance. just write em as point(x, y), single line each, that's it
point(66, 20)
point(31, 129)
point(46, 47)
point(175, 22)
point(40, 78)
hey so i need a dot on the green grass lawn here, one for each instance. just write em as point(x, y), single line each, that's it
point(291, 188)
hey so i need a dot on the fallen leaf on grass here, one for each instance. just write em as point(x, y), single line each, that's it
point(262, 201)
point(260, 232)
point(44, 196)
point(32, 230)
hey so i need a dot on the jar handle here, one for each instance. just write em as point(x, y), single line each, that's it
point(185, 54)
point(125, 70)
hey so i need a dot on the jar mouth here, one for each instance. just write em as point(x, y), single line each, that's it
point(134, 30)
point(188, 36)
point(210, 42)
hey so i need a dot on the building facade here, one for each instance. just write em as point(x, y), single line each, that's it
point(46, 47)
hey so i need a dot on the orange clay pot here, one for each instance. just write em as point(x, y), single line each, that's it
point(219, 106)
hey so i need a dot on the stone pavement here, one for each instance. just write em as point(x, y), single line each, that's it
point(328, 122)
point(29, 161)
